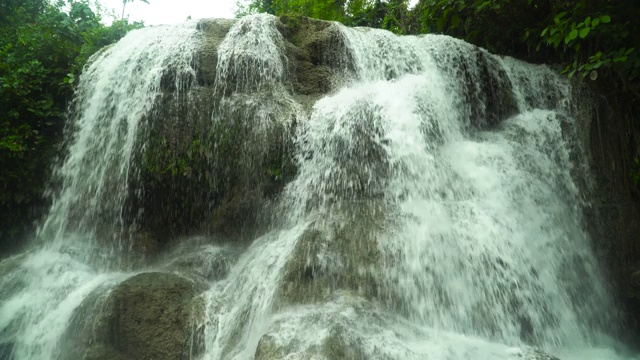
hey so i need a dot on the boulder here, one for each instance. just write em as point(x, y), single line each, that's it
point(148, 316)
point(332, 257)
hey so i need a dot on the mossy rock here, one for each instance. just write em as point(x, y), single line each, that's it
point(332, 257)
point(148, 316)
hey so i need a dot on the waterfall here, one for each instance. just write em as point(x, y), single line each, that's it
point(432, 208)
point(41, 289)
point(115, 98)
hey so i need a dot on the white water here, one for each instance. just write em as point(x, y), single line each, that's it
point(486, 237)
point(482, 251)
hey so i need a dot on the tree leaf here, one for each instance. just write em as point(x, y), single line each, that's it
point(584, 32)
point(605, 19)
point(441, 22)
point(620, 59)
point(455, 21)
point(559, 16)
point(595, 22)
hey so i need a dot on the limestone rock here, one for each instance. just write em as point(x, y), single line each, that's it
point(201, 261)
point(487, 91)
point(148, 316)
point(329, 259)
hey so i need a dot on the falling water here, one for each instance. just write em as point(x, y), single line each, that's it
point(436, 212)
point(484, 235)
point(116, 92)
point(42, 288)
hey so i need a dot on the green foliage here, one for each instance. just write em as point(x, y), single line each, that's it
point(588, 36)
point(43, 46)
point(328, 10)
point(393, 15)
point(591, 40)
point(167, 160)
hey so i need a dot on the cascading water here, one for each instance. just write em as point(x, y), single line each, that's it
point(436, 210)
point(116, 93)
point(42, 288)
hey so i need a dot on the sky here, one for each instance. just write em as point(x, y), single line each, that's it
point(172, 11)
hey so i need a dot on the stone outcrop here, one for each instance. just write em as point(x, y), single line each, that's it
point(613, 214)
point(148, 316)
point(216, 156)
point(323, 263)
point(217, 180)
point(488, 93)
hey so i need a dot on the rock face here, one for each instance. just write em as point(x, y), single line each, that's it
point(614, 212)
point(490, 100)
point(324, 261)
point(218, 152)
point(217, 179)
point(148, 316)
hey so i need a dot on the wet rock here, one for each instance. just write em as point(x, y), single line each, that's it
point(532, 354)
point(497, 101)
point(148, 316)
point(215, 155)
point(6, 350)
point(12, 278)
point(218, 150)
point(485, 85)
point(202, 262)
point(213, 31)
point(333, 258)
point(352, 328)
point(317, 53)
